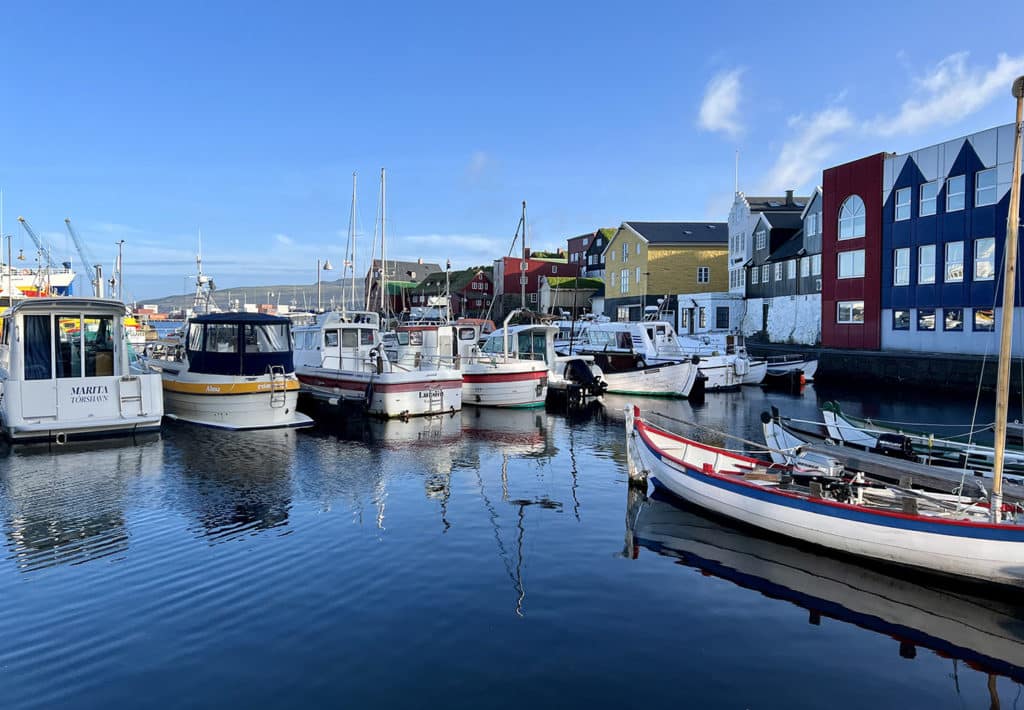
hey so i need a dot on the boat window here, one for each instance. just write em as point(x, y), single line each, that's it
point(311, 340)
point(99, 346)
point(37, 348)
point(67, 331)
point(403, 338)
point(540, 346)
point(221, 338)
point(195, 336)
point(266, 338)
point(365, 336)
point(467, 334)
point(416, 337)
point(349, 338)
point(495, 345)
point(623, 341)
point(331, 339)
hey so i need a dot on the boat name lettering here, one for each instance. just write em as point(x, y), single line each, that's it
point(83, 394)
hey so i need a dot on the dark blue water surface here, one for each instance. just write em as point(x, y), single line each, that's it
point(493, 559)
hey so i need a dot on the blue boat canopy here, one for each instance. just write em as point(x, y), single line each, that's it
point(246, 344)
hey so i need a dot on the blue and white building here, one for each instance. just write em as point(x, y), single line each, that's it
point(943, 230)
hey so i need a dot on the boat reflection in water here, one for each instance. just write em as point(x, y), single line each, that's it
point(515, 432)
point(69, 508)
point(987, 634)
point(233, 482)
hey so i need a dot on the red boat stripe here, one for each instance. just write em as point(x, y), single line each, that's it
point(379, 387)
point(504, 376)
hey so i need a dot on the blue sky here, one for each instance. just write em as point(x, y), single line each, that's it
point(148, 122)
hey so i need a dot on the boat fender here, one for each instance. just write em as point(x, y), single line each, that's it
point(368, 395)
point(741, 366)
point(695, 359)
point(380, 363)
point(639, 361)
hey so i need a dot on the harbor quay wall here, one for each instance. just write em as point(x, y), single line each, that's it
point(901, 369)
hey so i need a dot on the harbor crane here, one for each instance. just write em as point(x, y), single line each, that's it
point(42, 246)
point(96, 269)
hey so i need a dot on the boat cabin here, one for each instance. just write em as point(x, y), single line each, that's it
point(524, 342)
point(445, 345)
point(243, 344)
point(338, 341)
point(66, 367)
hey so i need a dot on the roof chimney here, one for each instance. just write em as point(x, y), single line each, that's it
point(789, 197)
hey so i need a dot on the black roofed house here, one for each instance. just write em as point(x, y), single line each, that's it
point(783, 274)
point(743, 216)
point(402, 277)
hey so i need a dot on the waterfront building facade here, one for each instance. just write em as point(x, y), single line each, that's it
point(943, 233)
point(511, 273)
point(593, 258)
point(744, 214)
point(470, 291)
point(648, 261)
point(783, 275)
point(851, 254)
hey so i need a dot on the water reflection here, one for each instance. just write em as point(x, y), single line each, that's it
point(232, 483)
point(987, 634)
point(69, 508)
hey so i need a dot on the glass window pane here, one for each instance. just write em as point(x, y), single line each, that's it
point(68, 337)
point(929, 191)
point(349, 338)
point(984, 319)
point(926, 319)
point(331, 339)
point(99, 346)
point(984, 259)
point(903, 204)
point(38, 339)
point(195, 336)
point(901, 319)
point(266, 338)
point(221, 338)
point(955, 193)
point(366, 336)
point(954, 319)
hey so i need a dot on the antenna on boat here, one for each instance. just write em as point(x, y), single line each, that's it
point(350, 257)
point(383, 245)
point(1006, 327)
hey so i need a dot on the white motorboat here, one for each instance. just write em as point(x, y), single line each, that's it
point(232, 371)
point(627, 372)
point(573, 376)
point(341, 357)
point(488, 380)
point(67, 372)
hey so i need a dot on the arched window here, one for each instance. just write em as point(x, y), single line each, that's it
point(851, 218)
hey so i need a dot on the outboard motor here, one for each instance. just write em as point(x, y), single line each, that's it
point(578, 372)
point(897, 445)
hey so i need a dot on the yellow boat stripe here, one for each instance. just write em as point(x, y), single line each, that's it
point(229, 387)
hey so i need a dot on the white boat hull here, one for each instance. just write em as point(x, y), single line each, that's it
point(667, 380)
point(756, 372)
point(517, 383)
point(989, 553)
point(79, 408)
point(240, 411)
point(389, 395)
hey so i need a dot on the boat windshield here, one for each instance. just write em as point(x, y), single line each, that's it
point(266, 338)
point(532, 345)
point(609, 339)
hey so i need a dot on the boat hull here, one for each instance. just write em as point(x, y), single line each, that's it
point(512, 384)
point(238, 411)
point(667, 380)
point(389, 395)
point(756, 372)
point(980, 552)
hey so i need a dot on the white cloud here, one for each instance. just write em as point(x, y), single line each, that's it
point(284, 240)
point(805, 153)
point(950, 91)
point(721, 103)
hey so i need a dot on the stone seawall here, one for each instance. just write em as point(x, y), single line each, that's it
point(911, 370)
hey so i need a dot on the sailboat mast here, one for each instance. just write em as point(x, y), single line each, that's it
point(1006, 326)
point(352, 239)
point(383, 244)
point(523, 266)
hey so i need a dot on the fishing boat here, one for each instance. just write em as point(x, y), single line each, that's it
point(625, 369)
point(574, 377)
point(342, 358)
point(67, 373)
point(231, 371)
point(873, 435)
point(980, 541)
point(488, 379)
point(916, 612)
point(778, 364)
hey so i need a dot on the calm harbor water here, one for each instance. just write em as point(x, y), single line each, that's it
point(491, 559)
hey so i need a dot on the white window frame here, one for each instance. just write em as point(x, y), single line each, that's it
point(962, 193)
point(925, 264)
point(791, 269)
point(852, 220)
point(928, 205)
point(624, 281)
point(637, 275)
point(816, 265)
point(805, 266)
point(766, 276)
point(901, 272)
point(754, 273)
point(951, 265)
point(991, 260)
point(850, 307)
point(638, 248)
point(625, 252)
point(761, 239)
point(703, 274)
point(853, 258)
point(978, 188)
point(903, 196)
point(554, 269)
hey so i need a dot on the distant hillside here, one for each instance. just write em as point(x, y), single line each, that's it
point(297, 296)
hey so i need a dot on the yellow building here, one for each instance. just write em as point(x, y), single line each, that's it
point(648, 261)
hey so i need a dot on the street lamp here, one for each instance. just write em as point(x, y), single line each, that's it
point(326, 266)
